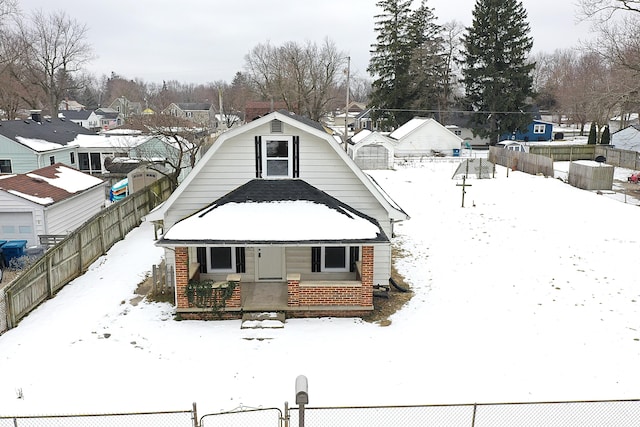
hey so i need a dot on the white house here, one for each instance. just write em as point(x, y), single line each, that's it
point(627, 138)
point(94, 150)
point(371, 150)
point(424, 137)
point(53, 200)
point(279, 217)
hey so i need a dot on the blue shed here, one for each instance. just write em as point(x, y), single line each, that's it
point(537, 130)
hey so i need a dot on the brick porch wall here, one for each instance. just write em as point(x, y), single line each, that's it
point(301, 295)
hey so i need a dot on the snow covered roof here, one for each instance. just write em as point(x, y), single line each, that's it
point(49, 185)
point(43, 135)
point(110, 141)
point(275, 211)
point(360, 135)
point(408, 127)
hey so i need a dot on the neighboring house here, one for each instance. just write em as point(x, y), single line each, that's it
point(460, 124)
point(109, 118)
point(125, 107)
point(513, 146)
point(85, 118)
point(627, 138)
point(424, 137)
point(371, 150)
point(364, 120)
point(95, 152)
point(196, 112)
point(53, 200)
point(36, 142)
point(622, 121)
point(226, 121)
point(70, 105)
point(537, 130)
point(161, 149)
point(277, 208)
point(256, 109)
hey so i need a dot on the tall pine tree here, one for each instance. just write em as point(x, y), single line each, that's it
point(428, 76)
point(390, 59)
point(496, 74)
point(407, 61)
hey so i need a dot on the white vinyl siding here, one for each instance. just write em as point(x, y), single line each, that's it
point(67, 215)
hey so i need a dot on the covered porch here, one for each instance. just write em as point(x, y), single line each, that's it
point(237, 293)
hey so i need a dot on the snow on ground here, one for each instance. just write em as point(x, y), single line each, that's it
point(529, 293)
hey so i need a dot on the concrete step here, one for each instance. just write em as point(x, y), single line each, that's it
point(262, 320)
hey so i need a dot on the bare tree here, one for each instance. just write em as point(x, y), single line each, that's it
point(604, 10)
point(183, 144)
point(302, 76)
point(55, 49)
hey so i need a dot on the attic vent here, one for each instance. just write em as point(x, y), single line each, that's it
point(276, 126)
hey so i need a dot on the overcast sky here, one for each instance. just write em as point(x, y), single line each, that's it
point(199, 41)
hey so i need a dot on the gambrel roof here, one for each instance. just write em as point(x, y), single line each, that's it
point(394, 213)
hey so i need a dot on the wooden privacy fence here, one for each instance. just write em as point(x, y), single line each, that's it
point(529, 163)
point(565, 153)
point(621, 158)
point(71, 257)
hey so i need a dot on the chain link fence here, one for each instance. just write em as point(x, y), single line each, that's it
point(142, 419)
point(608, 413)
point(625, 413)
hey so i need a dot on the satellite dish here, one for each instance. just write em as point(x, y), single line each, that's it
point(600, 159)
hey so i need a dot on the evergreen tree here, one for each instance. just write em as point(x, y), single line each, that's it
point(496, 75)
point(428, 76)
point(390, 59)
point(592, 134)
point(605, 139)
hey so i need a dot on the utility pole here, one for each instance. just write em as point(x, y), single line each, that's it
point(346, 107)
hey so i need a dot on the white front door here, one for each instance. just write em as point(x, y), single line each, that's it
point(270, 263)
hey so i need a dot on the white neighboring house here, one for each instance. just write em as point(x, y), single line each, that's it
point(93, 150)
point(424, 137)
point(85, 118)
point(53, 200)
point(627, 138)
point(371, 150)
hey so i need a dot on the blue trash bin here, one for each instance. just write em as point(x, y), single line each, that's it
point(13, 249)
point(456, 152)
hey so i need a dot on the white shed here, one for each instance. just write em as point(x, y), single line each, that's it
point(424, 137)
point(371, 150)
point(52, 200)
point(627, 138)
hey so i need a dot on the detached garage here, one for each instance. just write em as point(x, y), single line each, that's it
point(52, 200)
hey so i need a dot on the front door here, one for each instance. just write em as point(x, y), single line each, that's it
point(270, 263)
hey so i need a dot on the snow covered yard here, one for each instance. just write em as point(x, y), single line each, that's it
point(529, 295)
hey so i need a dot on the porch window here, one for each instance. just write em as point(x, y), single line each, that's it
point(334, 258)
point(221, 259)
